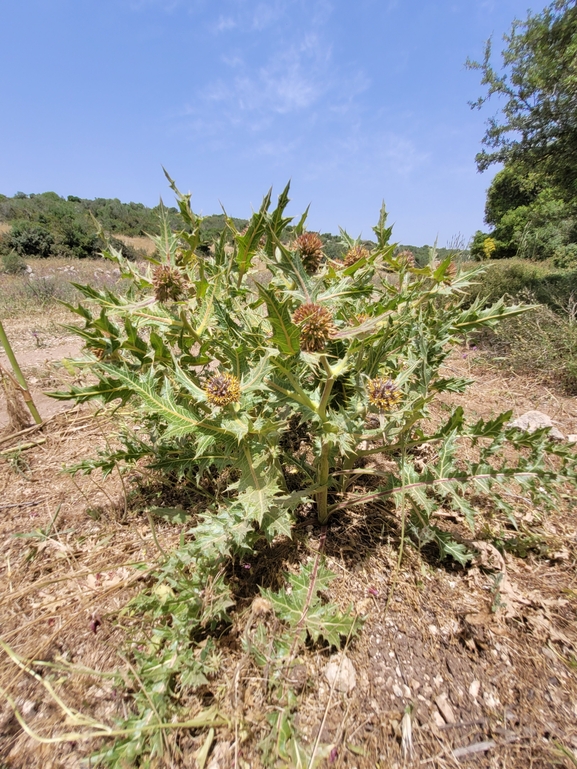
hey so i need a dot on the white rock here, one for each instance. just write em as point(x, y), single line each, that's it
point(474, 688)
point(341, 674)
point(445, 708)
point(572, 438)
point(535, 420)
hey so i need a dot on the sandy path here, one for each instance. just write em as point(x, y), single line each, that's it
point(36, 364)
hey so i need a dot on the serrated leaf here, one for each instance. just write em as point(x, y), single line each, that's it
point(448, 546)
point(303, 610)
point(248, 243)
point(285, 334)
point(172, 514)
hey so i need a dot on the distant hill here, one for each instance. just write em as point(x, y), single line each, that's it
point(49, 225)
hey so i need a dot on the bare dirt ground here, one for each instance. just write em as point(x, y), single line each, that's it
point(483, 659)
point(40, 348)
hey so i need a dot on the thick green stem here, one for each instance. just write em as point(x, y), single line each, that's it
point(322, 409)
point(322, 480)
point(19, 376)
point(323, 465)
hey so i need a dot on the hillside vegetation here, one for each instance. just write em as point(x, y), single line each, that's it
point(46, 224)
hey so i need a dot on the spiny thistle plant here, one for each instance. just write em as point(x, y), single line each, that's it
point(225, 350)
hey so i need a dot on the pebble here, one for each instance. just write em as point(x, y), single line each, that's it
point(445, 708)
point(474, 688)
point(341, 673)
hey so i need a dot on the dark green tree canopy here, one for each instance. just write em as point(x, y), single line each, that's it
point(537, 124)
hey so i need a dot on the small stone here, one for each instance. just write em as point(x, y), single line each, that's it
point(535, 420)
point(438, 718)
point(445, 708)
point(572, 438)
point(397, 691)
point(474, 688)
point(341, 674)
point(28, 708)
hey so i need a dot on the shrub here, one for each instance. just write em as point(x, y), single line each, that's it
point(30, 240)
point(227, 373)
point(517, 279)
point(12, 263)
point(565, 257)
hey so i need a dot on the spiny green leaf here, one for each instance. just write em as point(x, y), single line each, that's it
point(285, 334)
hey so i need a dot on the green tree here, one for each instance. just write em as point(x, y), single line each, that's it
point(538, 81)
point(532, 201)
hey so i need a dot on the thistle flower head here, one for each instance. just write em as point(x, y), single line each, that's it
point(310, 249)
point(450, 273)
point(222, 389)
point(355, 254)
point(406, 256)
point(316, 326)
point(383, 393)
point(169, 283)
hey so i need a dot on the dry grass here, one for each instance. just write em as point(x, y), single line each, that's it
point(506, 668)
point(141, 244)
point(50, 281)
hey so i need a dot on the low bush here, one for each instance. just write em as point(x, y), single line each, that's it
point(518, 279)
point(13, 263)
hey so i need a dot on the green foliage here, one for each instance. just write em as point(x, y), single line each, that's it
point(304, 616)
point(29, 240)
point(565, 257)
point(535, 229)
point(532, 201)
point(13, 263)
point(537, 81)
point(222, 376)
point(320, 620)
point(518, 280)
point(172, 656)
point(544, 342)
point(47, 225)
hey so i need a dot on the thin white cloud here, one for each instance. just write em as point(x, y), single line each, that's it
point(225, 24)
point(285, 83)
point(402, 155)
point(267, 14)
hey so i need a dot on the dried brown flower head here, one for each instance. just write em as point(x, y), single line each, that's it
point(450, 273)
point(310, 249)
point(355, 254)
point(406, 256)
point(316, 326)
point(383, 393)
point(222, 389)
point(169, 283)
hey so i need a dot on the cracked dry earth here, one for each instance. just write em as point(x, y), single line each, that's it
point(473, 667)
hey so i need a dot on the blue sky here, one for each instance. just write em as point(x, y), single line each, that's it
point(355, 102)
